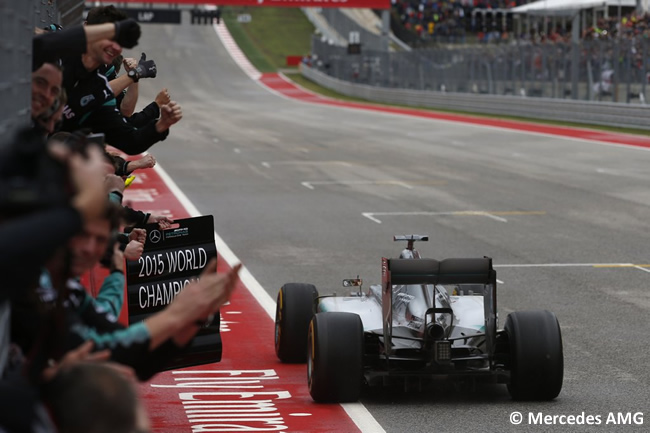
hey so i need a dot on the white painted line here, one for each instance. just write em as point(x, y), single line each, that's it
point(253, 286)
point(235, 52)
point(304, 162)
point(371, 215)
point(357, 412)
point(642, 269)
point(266, 164)
point(494, 217)
point(311, 184)
point(362, 418)
point(567, 265)
point(499, 281)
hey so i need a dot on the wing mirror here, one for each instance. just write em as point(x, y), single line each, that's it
point(354, 282)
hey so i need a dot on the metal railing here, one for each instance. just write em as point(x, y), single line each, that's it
point(607, 70)
point(344, 25)
point(567, 110)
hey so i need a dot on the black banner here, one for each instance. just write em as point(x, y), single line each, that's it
point(172, 259)
point(158, 16)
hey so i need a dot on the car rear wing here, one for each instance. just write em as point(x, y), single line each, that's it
point(447, 271)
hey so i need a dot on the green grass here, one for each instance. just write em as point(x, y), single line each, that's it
point(271, 35)
point(275, 33)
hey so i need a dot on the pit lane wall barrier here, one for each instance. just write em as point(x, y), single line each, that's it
point(17, 21)
point(588, 112)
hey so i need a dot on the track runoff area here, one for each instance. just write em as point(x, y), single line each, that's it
point(250, 390)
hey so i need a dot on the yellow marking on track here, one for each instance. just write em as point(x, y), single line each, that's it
point(514, 212)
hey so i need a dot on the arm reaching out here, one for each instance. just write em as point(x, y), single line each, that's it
point(195, 303)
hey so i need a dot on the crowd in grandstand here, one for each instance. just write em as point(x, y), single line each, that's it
point(449, 19)
point(631, 25)
point(453, 20)
point(66, 363)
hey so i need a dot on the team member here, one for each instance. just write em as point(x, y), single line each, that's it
point(92, 104)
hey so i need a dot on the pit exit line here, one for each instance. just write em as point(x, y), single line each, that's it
point(311, 184)
point(641, 267)
point(493, 215)
point(357, 413)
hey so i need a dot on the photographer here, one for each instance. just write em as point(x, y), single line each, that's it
point(35, 216)
point(46, 194)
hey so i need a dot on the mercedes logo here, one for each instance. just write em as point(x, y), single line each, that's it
point(155, 236)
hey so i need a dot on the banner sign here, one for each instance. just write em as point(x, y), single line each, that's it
point(172, 259)
point(159, 16)
point(372, 4)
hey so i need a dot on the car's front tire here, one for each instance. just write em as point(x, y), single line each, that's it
point(536, 358)
point(335, 362)
point(293, 312)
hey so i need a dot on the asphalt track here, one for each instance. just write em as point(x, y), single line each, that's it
point(314, 193)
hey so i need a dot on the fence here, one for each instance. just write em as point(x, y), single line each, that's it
point(607, 71)
point(344, 25)
point(588, 112)
point(17, 22)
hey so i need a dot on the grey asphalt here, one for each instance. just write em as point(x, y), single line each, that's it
point(242, 154)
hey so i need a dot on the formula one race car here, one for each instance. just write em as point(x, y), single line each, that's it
point(428, 320)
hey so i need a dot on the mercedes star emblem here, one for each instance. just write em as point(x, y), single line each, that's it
point(155, 236)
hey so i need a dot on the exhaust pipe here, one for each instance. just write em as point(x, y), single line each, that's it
point(435, 331)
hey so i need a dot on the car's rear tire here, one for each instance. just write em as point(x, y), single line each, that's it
point(536, 358)
point(335, 362)
point(293, 312)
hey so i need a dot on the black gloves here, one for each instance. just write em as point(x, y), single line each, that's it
point(146, 68)
point(127, 33)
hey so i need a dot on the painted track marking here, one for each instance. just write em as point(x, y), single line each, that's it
point(357, 412)
point(497, 215)
point(311, 184)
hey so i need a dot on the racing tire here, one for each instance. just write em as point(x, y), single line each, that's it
point(335, 362)
point(536, 358)
point(293, 312)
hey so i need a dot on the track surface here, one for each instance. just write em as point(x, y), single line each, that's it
point(313, 193)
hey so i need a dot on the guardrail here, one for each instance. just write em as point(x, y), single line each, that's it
point(596, 113)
